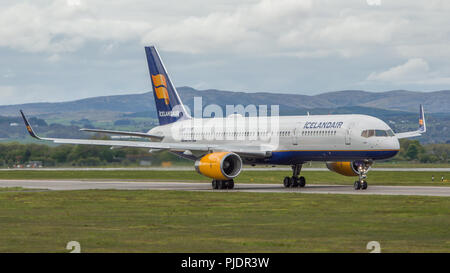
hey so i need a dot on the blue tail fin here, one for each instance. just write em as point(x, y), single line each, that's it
point(168, 104)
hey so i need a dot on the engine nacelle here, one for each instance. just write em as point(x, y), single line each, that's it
point(219, 165)
point(344, 168)
point(353, 168)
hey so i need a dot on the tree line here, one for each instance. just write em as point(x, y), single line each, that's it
point(412, 150)
point(85, 155)
point(12, 154)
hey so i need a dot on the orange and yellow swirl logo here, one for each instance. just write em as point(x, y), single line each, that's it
point(160, 84)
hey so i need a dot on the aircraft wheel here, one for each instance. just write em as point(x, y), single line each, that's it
point(364, 185)
point(287, 182)
point(228, 184)
point(302, 181)
point(294, 182)
point(357, 185)
point(220, 184)
point(214, 184)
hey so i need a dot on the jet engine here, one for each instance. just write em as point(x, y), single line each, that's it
point(353, 168)
point(219, 165)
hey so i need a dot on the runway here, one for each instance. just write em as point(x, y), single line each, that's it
point(257, 169)
point(191, 186)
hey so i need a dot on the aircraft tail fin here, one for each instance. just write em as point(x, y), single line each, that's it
point(422, 125)
point(421, 130)
point(168, 103)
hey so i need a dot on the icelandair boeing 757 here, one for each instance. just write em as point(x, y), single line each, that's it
point(348, 144)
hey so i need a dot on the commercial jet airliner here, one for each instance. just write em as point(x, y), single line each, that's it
point(348, 144)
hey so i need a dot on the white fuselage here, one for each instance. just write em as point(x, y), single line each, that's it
point(291, 139)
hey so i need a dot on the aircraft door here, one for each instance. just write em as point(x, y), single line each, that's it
point(296, 134)
point(348, 134)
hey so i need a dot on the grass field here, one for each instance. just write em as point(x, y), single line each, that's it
point(312, 177)
point(167, 221)
point(11, 189)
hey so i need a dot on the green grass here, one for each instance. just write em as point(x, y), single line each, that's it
point(167, 221)
point(312, 177)
point(11, 189)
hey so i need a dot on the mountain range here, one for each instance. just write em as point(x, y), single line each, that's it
point(399, 100)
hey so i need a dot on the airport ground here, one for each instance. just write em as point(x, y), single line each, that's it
point(203, 221)
point(390, 178)
point(175, 221)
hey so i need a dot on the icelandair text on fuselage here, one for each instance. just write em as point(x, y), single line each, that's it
point(230, 263)
point(323, 125)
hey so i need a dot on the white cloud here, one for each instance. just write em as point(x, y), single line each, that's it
point(294, 45)
point(289, 27)
point(249, 27)
point(373, 2)
point(6, 94)
point(61, 27)
point(414, 70)
point(408, 71)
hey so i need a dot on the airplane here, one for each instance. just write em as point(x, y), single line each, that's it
point(347, 144)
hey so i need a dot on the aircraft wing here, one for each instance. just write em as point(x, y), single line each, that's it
point(246, 150)
point(407, 134)
point(137, 134)
point(422, 127)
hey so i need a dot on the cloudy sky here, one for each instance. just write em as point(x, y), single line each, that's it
point(55, 50)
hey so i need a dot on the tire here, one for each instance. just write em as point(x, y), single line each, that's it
point(357, 185)
point(294, 182)
point(220, 184)
point(287, 182)
point(229, 184)
point(364, 185)
point(214, 184)
point(302, 181)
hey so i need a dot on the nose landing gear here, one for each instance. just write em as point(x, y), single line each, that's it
point(362, 169)
point(295, 181)
point(360, 185)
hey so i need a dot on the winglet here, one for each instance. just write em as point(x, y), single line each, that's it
point(27, 124)
point(422, 125)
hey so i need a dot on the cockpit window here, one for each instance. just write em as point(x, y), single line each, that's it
point(377, 133)
point(380, 133)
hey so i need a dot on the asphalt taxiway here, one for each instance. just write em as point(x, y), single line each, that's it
point(191, 186)
point(258, 169)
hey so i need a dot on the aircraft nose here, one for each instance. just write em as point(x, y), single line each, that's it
point(395, 144)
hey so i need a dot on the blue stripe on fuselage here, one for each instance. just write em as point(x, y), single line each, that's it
point(294, 157)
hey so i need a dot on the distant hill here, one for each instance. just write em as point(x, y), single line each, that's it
point(408, 101)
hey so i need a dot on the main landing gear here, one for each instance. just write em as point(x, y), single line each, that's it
point(362, 169)
point(295, 181)
point(222, 184)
